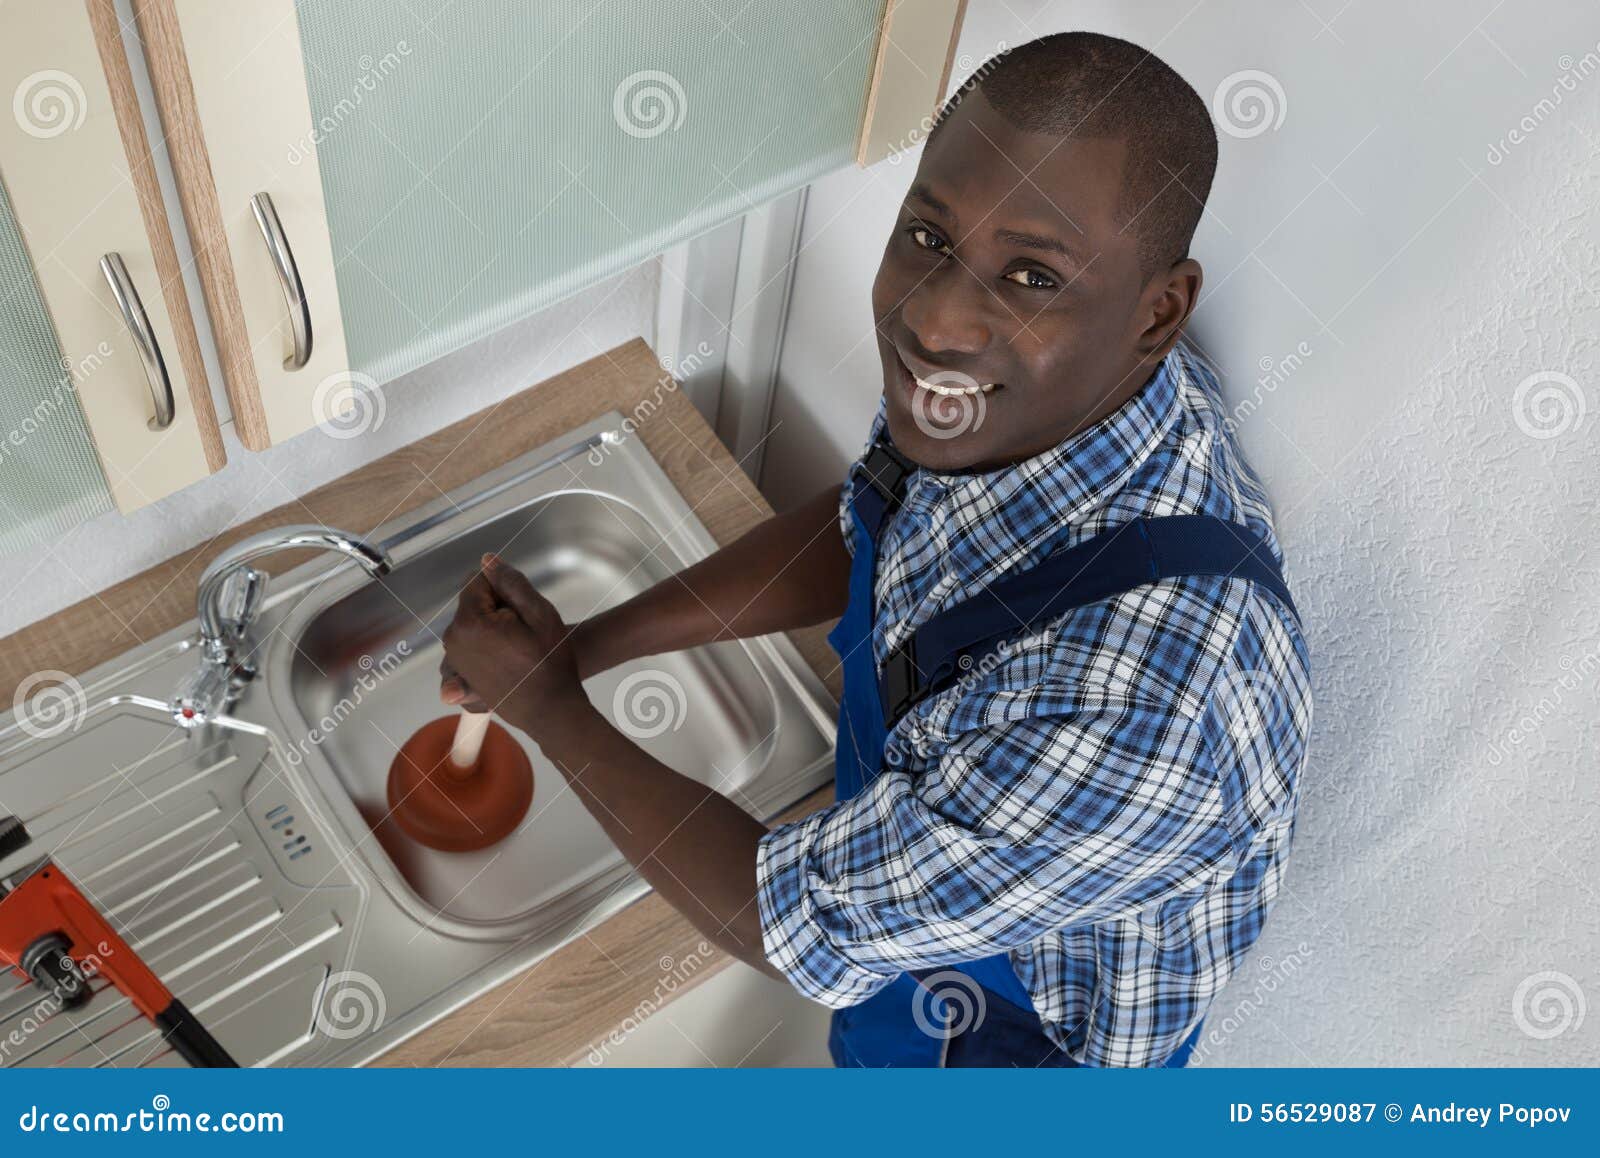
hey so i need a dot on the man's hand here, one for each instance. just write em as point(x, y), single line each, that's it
point(508, 651)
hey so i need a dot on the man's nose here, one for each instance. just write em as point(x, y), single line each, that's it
point(948, 313)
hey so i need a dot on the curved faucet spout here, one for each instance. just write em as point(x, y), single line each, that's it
point(216, 626)
point(230, 593)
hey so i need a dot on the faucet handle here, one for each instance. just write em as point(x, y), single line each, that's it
point(203, 695)
point(239, 598)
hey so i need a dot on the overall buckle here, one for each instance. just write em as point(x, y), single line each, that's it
point(886, 470)
point(900, 681)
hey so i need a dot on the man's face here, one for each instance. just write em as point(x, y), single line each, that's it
point(1009, 283)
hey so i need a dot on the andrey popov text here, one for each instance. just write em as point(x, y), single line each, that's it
point(1356, 1113)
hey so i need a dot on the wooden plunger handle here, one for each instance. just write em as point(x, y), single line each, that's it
point(470, 731)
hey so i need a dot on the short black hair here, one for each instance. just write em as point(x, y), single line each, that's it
point(1083, 84)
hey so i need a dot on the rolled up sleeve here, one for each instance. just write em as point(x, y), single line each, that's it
point(793, 937)
point(1020, 828)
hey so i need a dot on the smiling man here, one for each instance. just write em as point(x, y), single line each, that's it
point(1076, 693)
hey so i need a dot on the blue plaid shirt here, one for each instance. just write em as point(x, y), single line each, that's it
point(1110, 799)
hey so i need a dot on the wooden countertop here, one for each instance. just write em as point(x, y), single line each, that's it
point(557, 1010)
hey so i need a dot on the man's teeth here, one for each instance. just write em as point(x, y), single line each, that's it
point(949, 389)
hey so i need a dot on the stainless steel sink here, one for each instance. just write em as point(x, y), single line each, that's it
point(349, 668)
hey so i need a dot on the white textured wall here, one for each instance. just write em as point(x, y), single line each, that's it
point(1440, 549)
point(111, 548)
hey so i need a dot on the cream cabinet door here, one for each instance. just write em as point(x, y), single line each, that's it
point(75, 163)
point(230, 84)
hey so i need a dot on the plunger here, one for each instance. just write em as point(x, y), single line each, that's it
point(460, 783)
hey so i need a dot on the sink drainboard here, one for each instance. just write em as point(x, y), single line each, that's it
point(185, 841)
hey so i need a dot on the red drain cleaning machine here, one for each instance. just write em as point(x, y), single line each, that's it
point(53, 936)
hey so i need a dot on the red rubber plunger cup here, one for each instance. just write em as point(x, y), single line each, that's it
point(443, 805)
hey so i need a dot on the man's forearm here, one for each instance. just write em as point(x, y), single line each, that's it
point(693, 845)
point(790, 571)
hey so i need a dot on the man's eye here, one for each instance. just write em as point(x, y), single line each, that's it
point(1031, 278)
point(926, 239)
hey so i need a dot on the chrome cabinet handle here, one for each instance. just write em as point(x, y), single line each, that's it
point(294, 291)
point(144, 338)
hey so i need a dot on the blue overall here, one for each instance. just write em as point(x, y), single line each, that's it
point(884, 1029)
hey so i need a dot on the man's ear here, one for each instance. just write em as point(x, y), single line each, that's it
point(1165, 306)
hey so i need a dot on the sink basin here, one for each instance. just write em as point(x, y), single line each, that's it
point(249, 860)
point(709, 713)
point(353, 668)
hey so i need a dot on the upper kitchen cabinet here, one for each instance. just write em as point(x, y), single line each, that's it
point(371, 185)
point(103, 394)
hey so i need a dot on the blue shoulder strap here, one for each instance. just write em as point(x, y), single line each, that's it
point(1118, 560)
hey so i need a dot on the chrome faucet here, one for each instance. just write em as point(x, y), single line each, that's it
point(229, 596)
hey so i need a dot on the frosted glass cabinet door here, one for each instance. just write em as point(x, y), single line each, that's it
point(445, 167)
point(50, 479)
point(90, 251)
